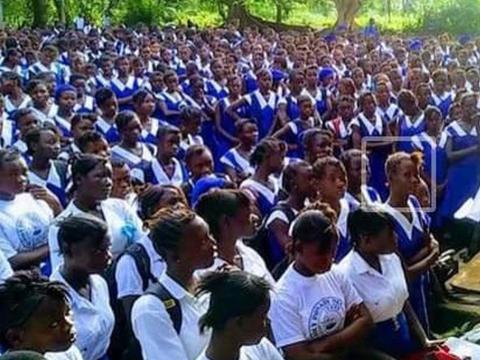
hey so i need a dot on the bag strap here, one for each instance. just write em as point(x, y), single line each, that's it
point(142, 261)
point(172, 305)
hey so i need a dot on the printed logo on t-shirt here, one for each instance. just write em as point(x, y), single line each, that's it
point(326, 317)
point(31, 231)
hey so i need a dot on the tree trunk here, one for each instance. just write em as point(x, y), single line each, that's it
point(60, 5)
point(2, 20)
point(346, 12)
point(40, 16)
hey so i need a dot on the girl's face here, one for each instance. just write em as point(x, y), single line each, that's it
point(306, 110)
point(235, 86)
point(50, 328)
point(40, 95)
point(157, 82)
point(131, 133)
point(434, 123)
point(249, 134)
point(123, 66)
point(333, 184)
point(201, 165)
point(265, 82)
point(98, 182)
point(82, 127)
point(110, 107)
point(27, 123)
point(405, 178)
point(172, 83)
point(90, 257)
point(193, 125)
point(345, 110)
point(321, 146)
point(48, 145)
point(255, 326)
point(369, 106)
point(122, 183)
point(440, 83)
point(99, 147)
point(147, 106)
point(355, 170)
point(314, 258)
point(197, 246)
point(383, 94)
point(311, 77)
point(423, 95)
point(358, 78)
point(13, 177)
point(81, 87)
point(298, 83)
point(67, 101)
point(169, 145)
point(107, 68)
point(383, 243)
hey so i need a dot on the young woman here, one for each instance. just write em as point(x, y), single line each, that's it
point(183, 240)
point(172, 100)
point(216, 86)
point(267, 158)
point(237, 315)
point(15, 98)
point(65, 98)
point(461, 141)
point(388, 110)
point(135, 153)
point(42, 104)
point(412, 121)
point(370, 124)
point(125, 84)
point(85, 245)
point(144, 104)
point(340, 125)
point(81, 124)
point(107, 103)
point(24, 120)
point(165, 168)
point(377, 274)
point(236, 161)
point(416, 245)
point(331, 183)
point(316, 311)
point(44, 169)
point(190, 128)
point(92, 184)
point(320, 97)
point(441, 96)
point(317, 144)
point(24, 218)
point(85, 103)
point(227, 213)
point(36, 316)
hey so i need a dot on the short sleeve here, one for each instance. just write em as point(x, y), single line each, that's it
point(248, 99)
point(282, 101)
point(350, 294)
point(354, 122)
point(286, 321)
point(277, 215)
point(293, 127)
point(5, 244)
point(56, 257)
point(129, 281)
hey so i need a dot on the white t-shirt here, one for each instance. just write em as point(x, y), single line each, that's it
point(129, 281)
point(307, 308)
point(264, 350)
point(71, 354)
point(93, 318)
point(252, 263)
point(385, 293)
point(24, 223)
point(124, 226)
point(154, 329)
point(5, 268)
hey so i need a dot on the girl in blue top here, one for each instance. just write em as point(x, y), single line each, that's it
point(144, 104)
point(172, 100)
point(296, 85)
point(412, 121)
point(264, 105)
point(125, 84)
point(108, 107)
point(461, 141)
point(417, 247)
point(320, 96)
point(65, 98)
point(216, 86)
point(441, 97)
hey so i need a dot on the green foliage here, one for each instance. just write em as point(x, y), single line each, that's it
point(149, 12)
point(455, 17)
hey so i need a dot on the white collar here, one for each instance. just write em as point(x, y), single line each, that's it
point(406, 225)
point(368, 124)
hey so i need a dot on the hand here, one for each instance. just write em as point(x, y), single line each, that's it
point(434, 254)
point(353, 314)
point(38, 192)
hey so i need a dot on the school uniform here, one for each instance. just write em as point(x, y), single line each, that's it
point(411, 239)
point(250, 82)
point(263, 110)
point(434, 157)
point(154, 173)
point(7, 135)
point(94, 319)
point(228, 124)
point(56, 182)
point(443, 102)
point(11, 108)
point(186, 142)
point(68, 152)
point(463, 176)
point(390, 114)
point(24, 223)
point(216, 89)
point(63, 125)
point(265, 198)
point(240, 164)
point(409, 127)
point(369, 196)
point(73, 353)
point(135, 162)
point(5, 268)
point(108, 130)
point(264, 350)
point(384, 294)
point(320, 99)
point(124, 90)
point(22, 148)
point(49, 116)
point(341, 132)
point(102, 82)
point(124, 226)
point(60, 71)
point(377, 156)
point(150, 136)
point(174, 102)
point(344, 241)
point(87, 106)
point(127, 277)
point(154, 330)
point(294, 136)
point(308, 308)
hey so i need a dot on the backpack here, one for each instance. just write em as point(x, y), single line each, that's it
point(260, 242)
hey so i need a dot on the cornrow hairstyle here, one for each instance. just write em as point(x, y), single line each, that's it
point(21, 296)
point(76, 229)
point(33, 136)
point(168, 229)
point(232, 294)
point(103, 95)
point(123, 119)
point(321, 164)
point(87, 138)
point(195, 150)
point(219, 204)
point(8, 156)
point(367, 221)
point(263, 150)
point(149, 199)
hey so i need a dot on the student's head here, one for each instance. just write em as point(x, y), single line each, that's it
point(182, 239)
point(306, 106)
point(468, 102)
point(346, 107)
point(346, 87)
point(317, 144)
point(156, 81)
point(35, 314)
point(81, 123)
point(85, 243)
point(396, 79)
point(66, 98)
point(371, 231)
point(11, 82)
point(43, 142)
point(238, 307)
point(171, 80)
point(407, 102)
point(168, 141)
point(48, 54)
point(13, 173)
point(382, 93)
point(402, 173)
point(144, 103)
point(122, 65)
point(93, 142)
point(440, 81)
point(121, 180)
point(298, 179)
point(234, 85)
point(25, 120)
point(264, 79)
point(423, 94)
point(92, 177)
point(106, 65)
point(315, 240)
point(129, 126)
point(269, 153)
point(227, 213)
point(297, 81)
point(106, 101)
point(311, 76)
point(50, 80)
point(199, 161)
point(352, 160)
point(156, 197)
point(433, 120)
point(247, 131)
point(331, 179)
point(79, 82)
point(191, 119)
point(367, 104)
point(38, 91)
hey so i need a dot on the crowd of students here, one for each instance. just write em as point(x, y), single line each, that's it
point(222, 194)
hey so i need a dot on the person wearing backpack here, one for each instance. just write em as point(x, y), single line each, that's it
point(165, 319)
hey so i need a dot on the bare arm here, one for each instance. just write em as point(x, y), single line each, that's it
point(231, 110)
point(280, 230)
point(281, 115)
point(457, 155)
point(27, 259)
point(166, 110)
point(220, 129)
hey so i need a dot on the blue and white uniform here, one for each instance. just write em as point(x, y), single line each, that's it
point(263, 110)
point(155, 174)
point(265, 197)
